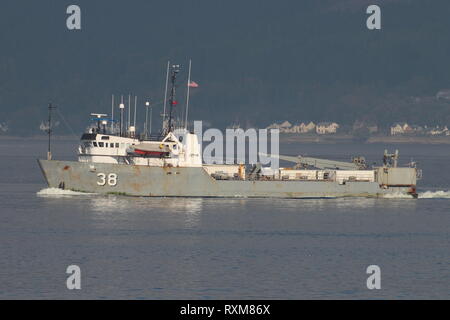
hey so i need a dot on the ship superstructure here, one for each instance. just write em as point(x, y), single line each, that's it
point(107, 141)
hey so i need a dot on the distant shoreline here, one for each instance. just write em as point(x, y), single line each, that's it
point(38, 138)
point(410, 140)
point(347, 138)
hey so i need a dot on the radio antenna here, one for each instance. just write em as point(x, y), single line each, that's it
point(49, 130)
point(129, 112)
point(112, 114)
point(135, 109)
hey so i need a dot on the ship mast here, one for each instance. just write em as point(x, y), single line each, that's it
point(172, 100)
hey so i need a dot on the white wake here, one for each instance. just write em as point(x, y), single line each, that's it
point(435, 195)
point(56, 192)
point(440, 194)
point(397, 196)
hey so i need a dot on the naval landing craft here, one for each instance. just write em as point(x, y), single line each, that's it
point(114, 159)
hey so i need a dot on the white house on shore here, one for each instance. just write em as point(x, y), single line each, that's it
point(305, 128)
point(443, 94)
point(3, 127)
point(404, 128)
point(287, 127)
point(327, 128)
point(401, 128)
point(439, 131)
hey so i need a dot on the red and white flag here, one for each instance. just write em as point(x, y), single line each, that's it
point(193, 84)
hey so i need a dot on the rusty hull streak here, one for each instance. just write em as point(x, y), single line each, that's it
point(137, 170)
point(75, 176)
point(71, 173)
point(136, 186)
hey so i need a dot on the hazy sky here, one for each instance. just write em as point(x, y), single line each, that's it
point(256, 61)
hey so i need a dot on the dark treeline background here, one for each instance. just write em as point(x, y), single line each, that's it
point(256, 61)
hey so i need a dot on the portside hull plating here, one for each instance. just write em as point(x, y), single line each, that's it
point(192, 182)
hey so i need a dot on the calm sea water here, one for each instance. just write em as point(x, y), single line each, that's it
point(158, 248)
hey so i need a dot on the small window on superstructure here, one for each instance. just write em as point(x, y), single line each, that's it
point(95, 144)
point(111, 145)
point(100, 144)
point(117, 144)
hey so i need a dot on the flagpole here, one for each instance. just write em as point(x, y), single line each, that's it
point(187, 98)
point(129, 111)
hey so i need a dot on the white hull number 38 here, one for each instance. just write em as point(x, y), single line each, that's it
point(103, 179)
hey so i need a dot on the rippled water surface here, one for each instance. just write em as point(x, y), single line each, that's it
point(162, 248)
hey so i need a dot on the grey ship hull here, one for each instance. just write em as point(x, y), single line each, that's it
point(150, 181)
